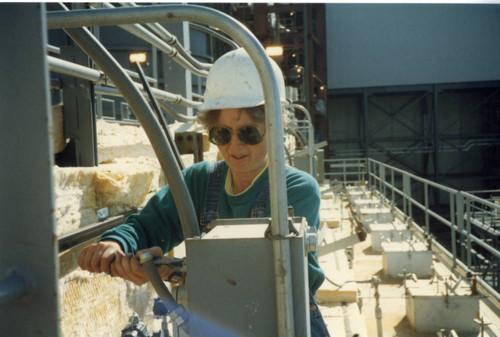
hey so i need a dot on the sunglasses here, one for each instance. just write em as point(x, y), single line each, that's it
point(248, 134)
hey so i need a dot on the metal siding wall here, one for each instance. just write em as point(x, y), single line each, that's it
point(405, 44)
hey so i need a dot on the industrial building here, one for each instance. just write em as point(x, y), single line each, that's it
point(396, 115)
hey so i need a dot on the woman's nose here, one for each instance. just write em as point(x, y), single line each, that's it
point(235, 140)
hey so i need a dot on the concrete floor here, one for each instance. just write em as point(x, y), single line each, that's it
point(348, 319)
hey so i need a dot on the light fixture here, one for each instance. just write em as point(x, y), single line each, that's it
point(138, 57)
point(274, 51)
point(322, 87)
point(294, 55)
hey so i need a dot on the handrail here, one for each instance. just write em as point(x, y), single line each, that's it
point(461, 210)
point(460, 217)
point(275, 146)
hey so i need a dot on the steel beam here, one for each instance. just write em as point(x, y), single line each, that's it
point(28, 245)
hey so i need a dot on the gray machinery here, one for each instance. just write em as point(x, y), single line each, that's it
point(230, 284)
point(246, 277)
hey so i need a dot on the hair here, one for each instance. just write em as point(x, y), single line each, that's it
point(210, 118)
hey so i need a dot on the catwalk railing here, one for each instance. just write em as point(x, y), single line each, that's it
point(464, 228)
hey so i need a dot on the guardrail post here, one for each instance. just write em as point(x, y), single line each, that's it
point(453, 229)
point(393, 194)
point(370, 165)
point(381, 174)
point(344, 173)
point(460, 223)
point(426, 204)
point(468, 228)
point(407, 194)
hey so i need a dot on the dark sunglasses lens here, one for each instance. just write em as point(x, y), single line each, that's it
point(250, 135)
point(219, 135)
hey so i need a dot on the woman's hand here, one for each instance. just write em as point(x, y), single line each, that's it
point(129, 268)
point(108, 257)
point(97, 257)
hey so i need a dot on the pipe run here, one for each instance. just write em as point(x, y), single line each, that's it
point(171, 40)
point(275, 146)
point(159, 94)
point(212, 32)
point(98, 77)
point(143, 33)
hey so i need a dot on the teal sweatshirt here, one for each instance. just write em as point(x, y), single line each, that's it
point(158, 223)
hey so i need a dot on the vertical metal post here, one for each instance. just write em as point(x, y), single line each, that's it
point(369, 170)
point(468, 228)
point(393, 195)
point(28, 243)
point(307, 58)
point(406, 194)
point(344, 168)
point(364, 117)
point(98, 97)
point(453, 229)
point(382, 180)
point(460, 223)
point(435, 142)
point(154, 62)
point(426, 203)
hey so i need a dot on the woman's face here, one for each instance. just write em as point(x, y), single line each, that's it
point(244, 160)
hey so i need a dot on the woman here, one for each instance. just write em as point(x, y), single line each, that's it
point(237, 187)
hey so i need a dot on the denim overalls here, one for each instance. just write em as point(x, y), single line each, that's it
point(211, 212)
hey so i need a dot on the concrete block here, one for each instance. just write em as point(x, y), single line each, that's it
point(388, 232)
point(360, 203)
point(414, 257)
point(369, 216)
point(429, 309)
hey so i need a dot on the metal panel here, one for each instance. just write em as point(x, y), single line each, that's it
point(400, 44)
point(231, 283)
point(27, 238)
point(79, 115)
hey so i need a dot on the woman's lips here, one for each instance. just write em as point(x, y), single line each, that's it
point(238, 157)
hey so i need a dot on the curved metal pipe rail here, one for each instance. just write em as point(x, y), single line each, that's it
point(310, 133)
point(275, 146)
point(146, 35)
point(176, 115)
point(171, 40)
point(215, 34)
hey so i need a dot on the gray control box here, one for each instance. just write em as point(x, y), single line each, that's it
point(230, 282)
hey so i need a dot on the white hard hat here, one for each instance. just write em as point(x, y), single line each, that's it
point(233, 82)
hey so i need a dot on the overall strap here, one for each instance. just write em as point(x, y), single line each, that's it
point(214, 186)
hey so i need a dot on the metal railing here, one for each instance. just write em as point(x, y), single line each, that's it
point(347, 171)
point(463, 227)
